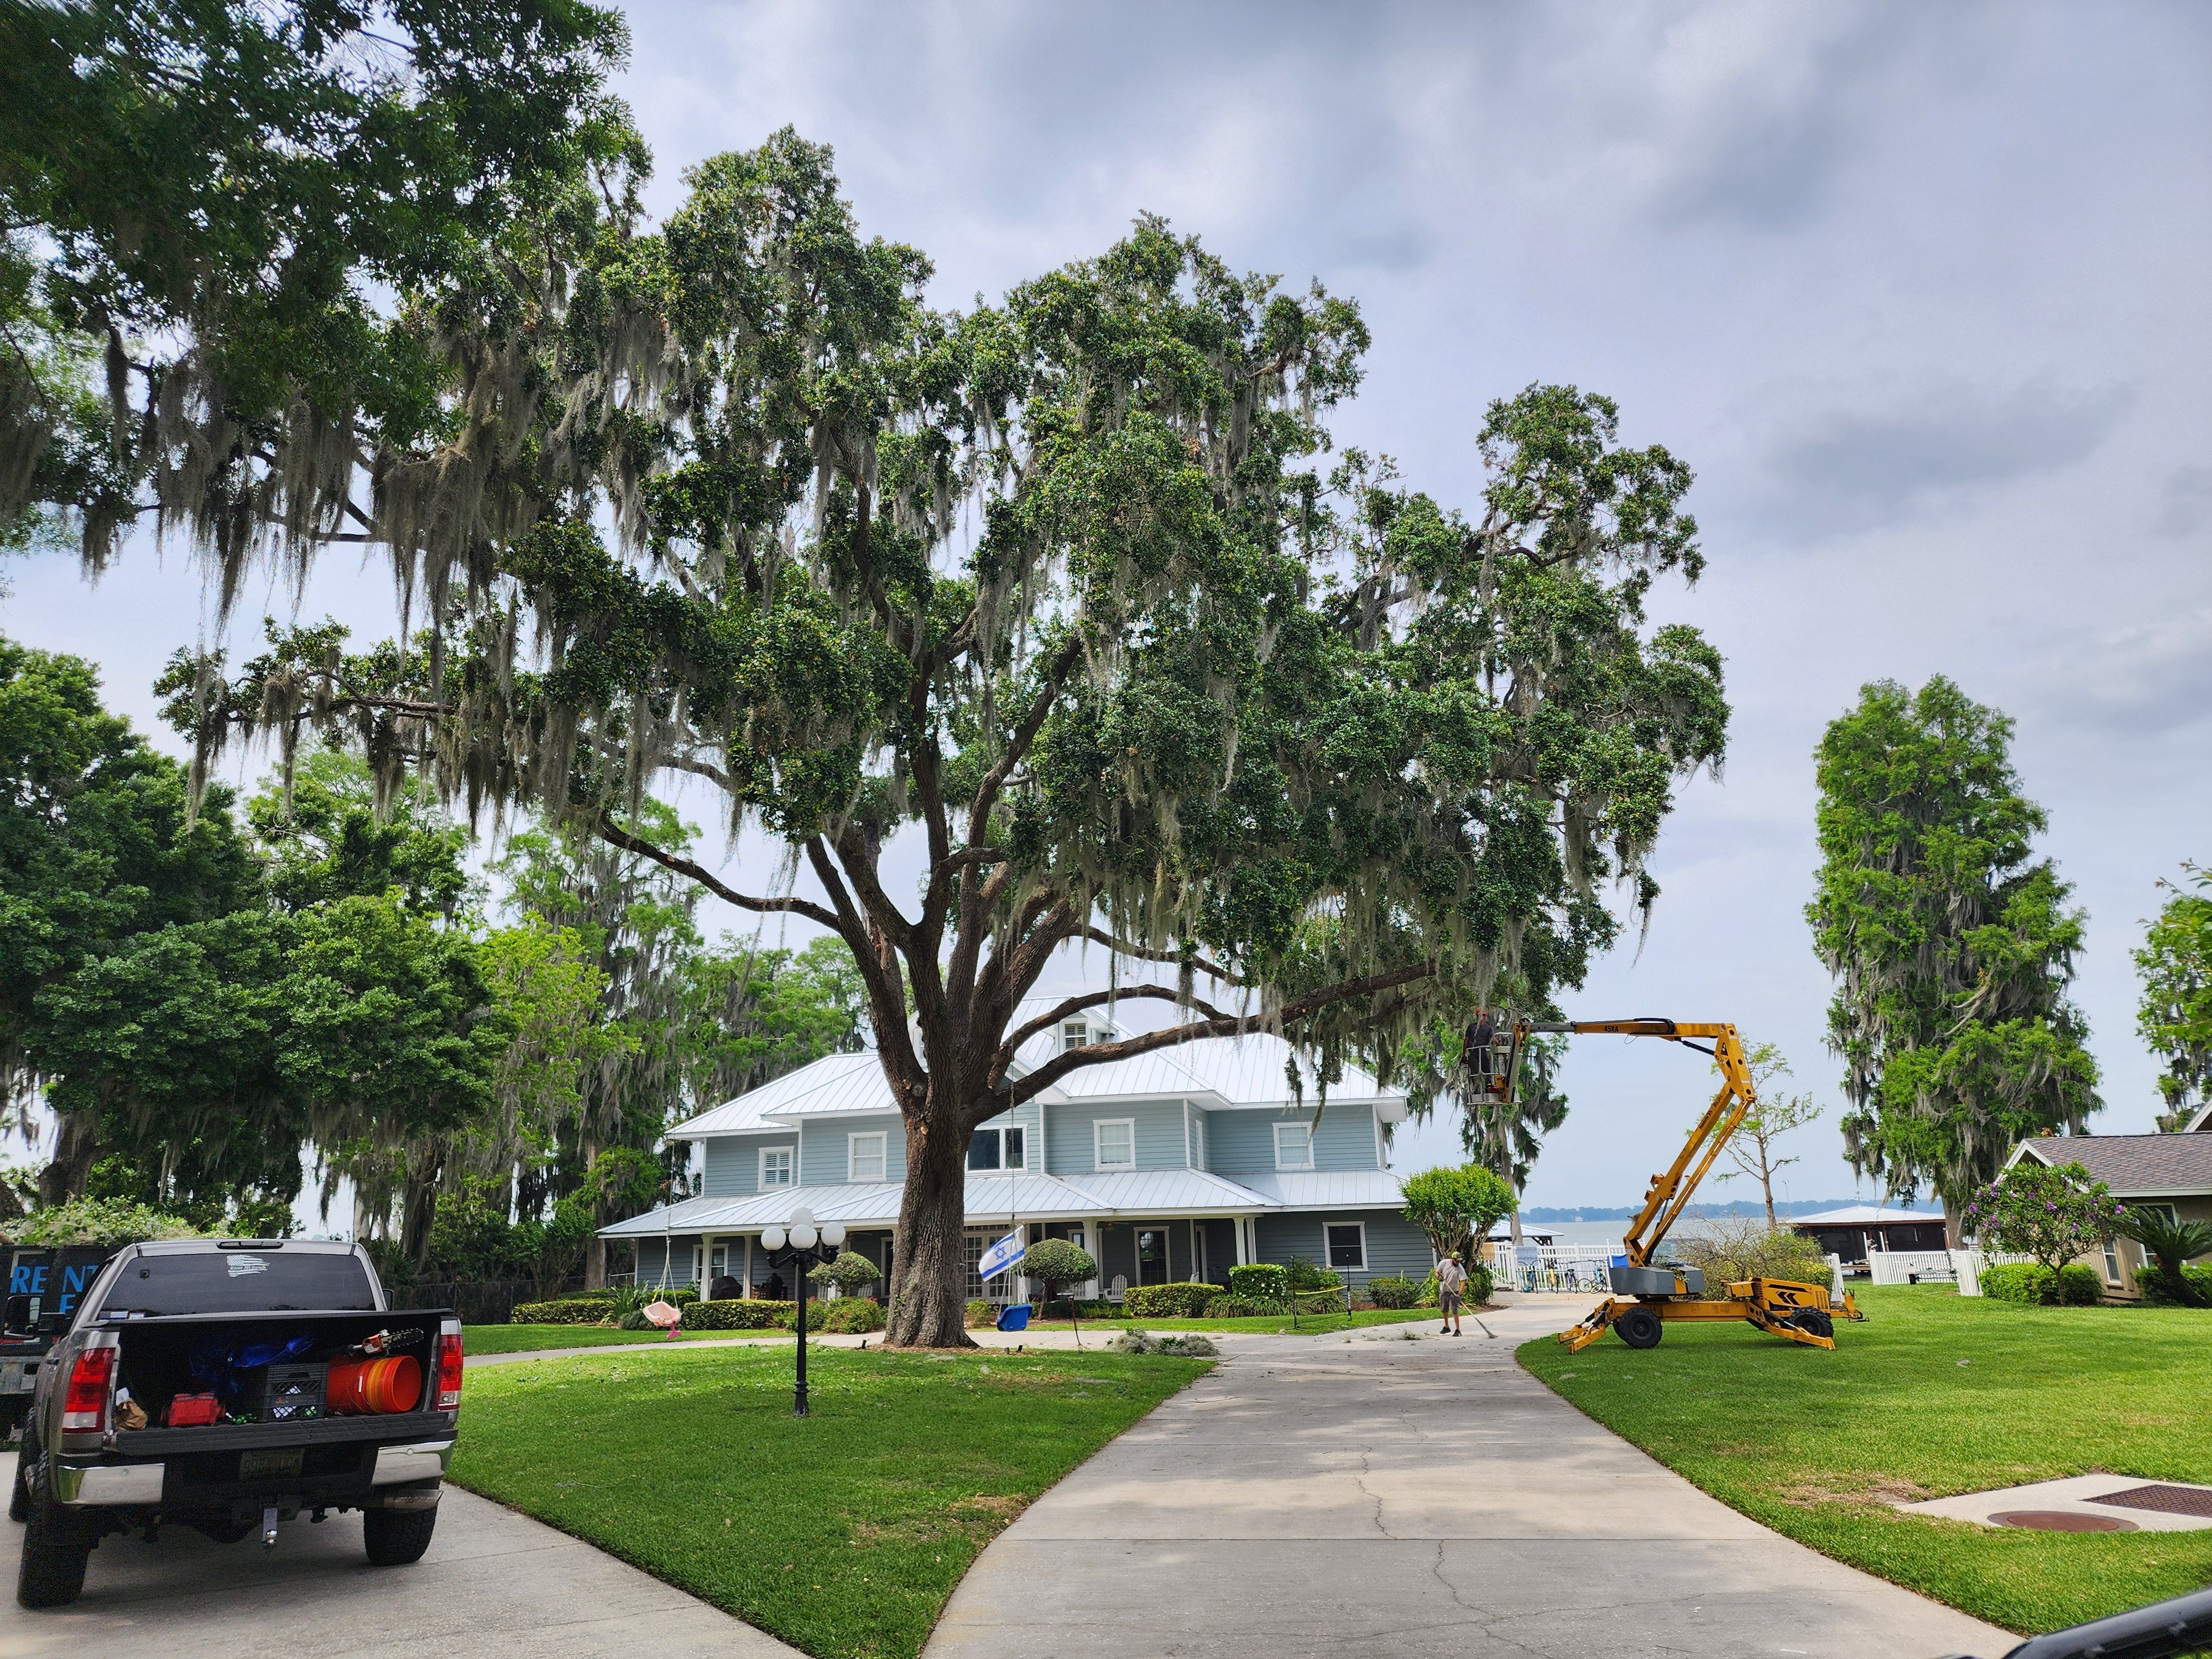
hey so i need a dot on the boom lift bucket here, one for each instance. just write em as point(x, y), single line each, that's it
point(1646, 1295)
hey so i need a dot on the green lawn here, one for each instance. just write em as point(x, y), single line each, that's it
point(525, 1339)
point(842, 1534)
point(1935, 1394)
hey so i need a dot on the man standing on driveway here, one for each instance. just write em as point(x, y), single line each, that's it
point(1451, 1281)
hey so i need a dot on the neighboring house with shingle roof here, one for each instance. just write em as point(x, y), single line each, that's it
point(1173, 1166)
point(2169, 1172)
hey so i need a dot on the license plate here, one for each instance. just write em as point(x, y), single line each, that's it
point(265, 1465)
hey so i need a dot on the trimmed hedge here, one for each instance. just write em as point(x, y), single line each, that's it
point(735, 1314)
point(851, 1315)
point(1390, 1292)
point(568, 1311)
point(1183, 1301)
point(1265, 1282)
point(1321, 1302)
point(2029, 1282)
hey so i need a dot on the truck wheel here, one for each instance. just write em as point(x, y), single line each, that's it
point(18, 1495)
point(397, 1538)
point(54, 1558)
point(1640, 1328)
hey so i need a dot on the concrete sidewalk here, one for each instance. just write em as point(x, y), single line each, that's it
point(1409, 1498)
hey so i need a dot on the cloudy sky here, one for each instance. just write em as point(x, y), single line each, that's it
point(1919, 291)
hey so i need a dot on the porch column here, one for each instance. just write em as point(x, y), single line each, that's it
point(706, 1261)
point(749, 1266)
point(1243, 1239)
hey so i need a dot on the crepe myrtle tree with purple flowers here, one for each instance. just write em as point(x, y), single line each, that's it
point(2053, 1215)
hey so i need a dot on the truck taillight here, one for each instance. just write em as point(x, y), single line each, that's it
point(84, 1404)
point(449, 1371)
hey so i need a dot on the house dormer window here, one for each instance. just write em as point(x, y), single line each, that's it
point(1294, 1146)
point(1074, 1034)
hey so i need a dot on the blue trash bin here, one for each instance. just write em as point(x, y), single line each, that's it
point(1015, 1318)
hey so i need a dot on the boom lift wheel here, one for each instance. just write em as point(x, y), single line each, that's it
point(1640, 1328)
point(1813, 1323)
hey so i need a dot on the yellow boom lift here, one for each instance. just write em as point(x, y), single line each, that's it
point(1647, 1294)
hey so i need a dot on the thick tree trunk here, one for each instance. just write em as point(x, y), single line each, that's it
point(1955, 1228)
point(419, 1207)
point(76, 1148)
point(595, 1264)
point(929, 1297)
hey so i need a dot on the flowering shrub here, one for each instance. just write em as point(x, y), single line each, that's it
point(2051, 1215)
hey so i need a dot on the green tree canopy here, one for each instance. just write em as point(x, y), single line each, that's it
point(2175, 1014)
point(1954, 946)
point(210, 206)
point(1060, 588)
point(1457, 1207)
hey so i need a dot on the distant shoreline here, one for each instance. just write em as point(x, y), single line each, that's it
point(1541, 1214)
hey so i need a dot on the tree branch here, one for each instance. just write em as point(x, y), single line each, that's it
point(1144, 953)
point(616, 836)
point(1174, 1036)
point(1074, 1005)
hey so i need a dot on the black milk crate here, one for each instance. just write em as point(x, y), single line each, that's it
point(293, 1393)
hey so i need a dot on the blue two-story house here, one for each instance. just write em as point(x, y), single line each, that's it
point(1178, 1164)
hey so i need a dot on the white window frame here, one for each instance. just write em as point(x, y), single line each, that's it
point(1197, 1140)
point(1305, 1129)
point(1078, 1029)
point(1002, 1130)
point(1327, 1228)
point(790, 1157)
point(1098, 1142)
point(853, 1155)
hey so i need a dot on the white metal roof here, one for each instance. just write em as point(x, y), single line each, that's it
point(827, 1083)
point(1862, 1215)
point(1168, 1191)
point(1327, 1190)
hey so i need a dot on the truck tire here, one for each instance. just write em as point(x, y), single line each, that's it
point(1640, 1328)
point(397, 1538)
point(18, 1495)
point(55, 1553)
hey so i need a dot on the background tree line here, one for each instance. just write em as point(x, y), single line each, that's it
point(209, 1003)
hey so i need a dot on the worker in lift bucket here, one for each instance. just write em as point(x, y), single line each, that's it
point(1451, 1287)
point(1476, 1042)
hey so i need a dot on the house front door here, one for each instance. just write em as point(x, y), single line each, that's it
point(1152, 1256)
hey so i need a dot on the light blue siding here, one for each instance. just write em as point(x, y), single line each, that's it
point(732, 1163)
point(824, 1161)
point(1394, 1245)
point(1024, 1115)
point(1243, 1143)
point(1201, 1139)
point(1160, 1134)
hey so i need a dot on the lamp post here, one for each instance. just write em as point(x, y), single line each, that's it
point(801, 1245)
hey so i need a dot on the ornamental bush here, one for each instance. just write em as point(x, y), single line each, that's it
point(982, 1312)
point(1392, 1292)
point(1264, 1282)
point(1321, 1302)
point(735, 1314)
point(2053, 1215)
point(1181, 1301)
point(563, 1311)
point(1307, 1276)
point(1237, 1307)
point(2156, 1294)
point(848, 1272)
point(2032, 1283)
point(851, 1316)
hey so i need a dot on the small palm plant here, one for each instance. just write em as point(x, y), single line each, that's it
point(2170, 1243)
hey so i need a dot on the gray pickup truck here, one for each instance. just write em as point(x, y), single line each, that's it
point(230, 1385)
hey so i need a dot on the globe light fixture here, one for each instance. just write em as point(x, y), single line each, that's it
point(800, 1245)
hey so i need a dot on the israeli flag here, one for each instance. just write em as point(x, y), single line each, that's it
point(1002, 1255)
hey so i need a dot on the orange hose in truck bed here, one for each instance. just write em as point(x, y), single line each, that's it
point(365, 1387)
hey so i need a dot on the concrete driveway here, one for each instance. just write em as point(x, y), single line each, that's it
point(1406, 1499)
point(493, 1583)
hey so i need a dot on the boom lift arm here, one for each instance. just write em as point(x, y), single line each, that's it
point(1800, 1311)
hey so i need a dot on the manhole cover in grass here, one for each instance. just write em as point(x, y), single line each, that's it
point(2170, 1500)
point(2061, 1521)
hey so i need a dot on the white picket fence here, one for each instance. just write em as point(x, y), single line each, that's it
point(1923, 1266)
point(1579, 1268)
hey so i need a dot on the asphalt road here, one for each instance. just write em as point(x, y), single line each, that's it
point(493, 1583)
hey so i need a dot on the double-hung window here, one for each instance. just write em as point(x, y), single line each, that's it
point(1347, 1247)
point(1114, 1142)
point(864, 1156)
point(776, 1166)
point(1074, 1034)
point(1003, 1148)
point(1294, 1146)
